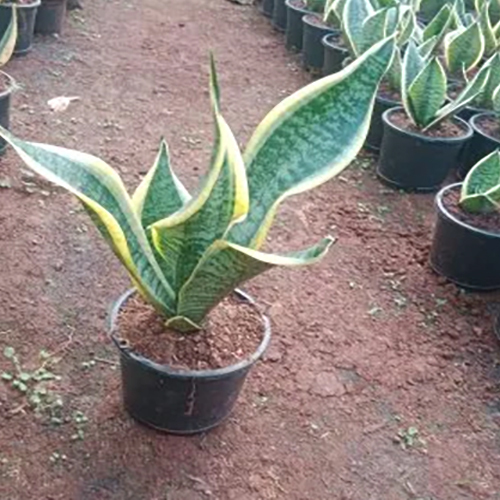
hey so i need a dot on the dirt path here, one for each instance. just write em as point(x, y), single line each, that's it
point(367, 345)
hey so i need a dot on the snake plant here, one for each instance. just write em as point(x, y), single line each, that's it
point(485, 99)
point(464, 48)
point(487, 27)
point(481, 188)
point(186, 253)
point(424, 86)
point(435, 31)
point(364, 25)
point(8, 41)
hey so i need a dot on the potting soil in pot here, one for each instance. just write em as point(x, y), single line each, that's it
point(232, 332)
point(490, 126)
point(445, 129)
point(486, 221)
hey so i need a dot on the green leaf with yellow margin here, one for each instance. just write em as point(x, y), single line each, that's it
point(374, 28)
point(160, 193)
point(490, 40)
point(9, 38)
point(183, 238)
point(481, 187)
point(485, 99)
point(463, 49)
point(103, 194)
point(354, 15)
point(309, 138)
point(427, 93)
point(407, 25)
point(225, 266)
point(413, 64)
point(468, 94)
point(439, 24)
point(429, 8)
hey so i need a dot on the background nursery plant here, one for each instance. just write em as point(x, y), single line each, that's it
point(423, 140)
point(185, 254)
point(25, 22)
point(467, 234)
point(484, 122)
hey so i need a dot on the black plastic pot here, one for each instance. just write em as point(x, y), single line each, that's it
point(294, 26)
point(376, 132)
point(479, 146)
point(267, 7)
point(469, 111)
point(334, 54)
point(462, 253)
point(180, 401)
point(5, 98)
point(416, 162)
point(26, 14)
point(50, 17)
point(279, 15)
point(313, 51)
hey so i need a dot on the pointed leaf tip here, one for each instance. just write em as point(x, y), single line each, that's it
point(214, 84)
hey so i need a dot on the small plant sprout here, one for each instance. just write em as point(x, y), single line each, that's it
point(80, 421)
point(409, 438)
point(481, 188)
point(33, 385)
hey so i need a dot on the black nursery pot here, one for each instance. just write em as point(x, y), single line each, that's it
point(334, 54)
point(479, 146)
point(279, 15)
point(267, 7)
point(5, 98)
point(415, 162)
point(376, 131)
point(180, 401)
point(26, 14)
point(465, 255)
point(50, 17)
point(469, 111)
point(294, 26)
point(313, 51)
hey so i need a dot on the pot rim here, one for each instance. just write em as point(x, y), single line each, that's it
point(385, 100)
point(290, 5)
point(327, 43)
point(462, 138)
point(443, 210)
point(187, 374)
point(306, 19)
point(475, 126)
point(34, 3)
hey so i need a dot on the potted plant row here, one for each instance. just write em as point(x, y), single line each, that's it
point(362, 26)
point(188, 255)
point(295, 11)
